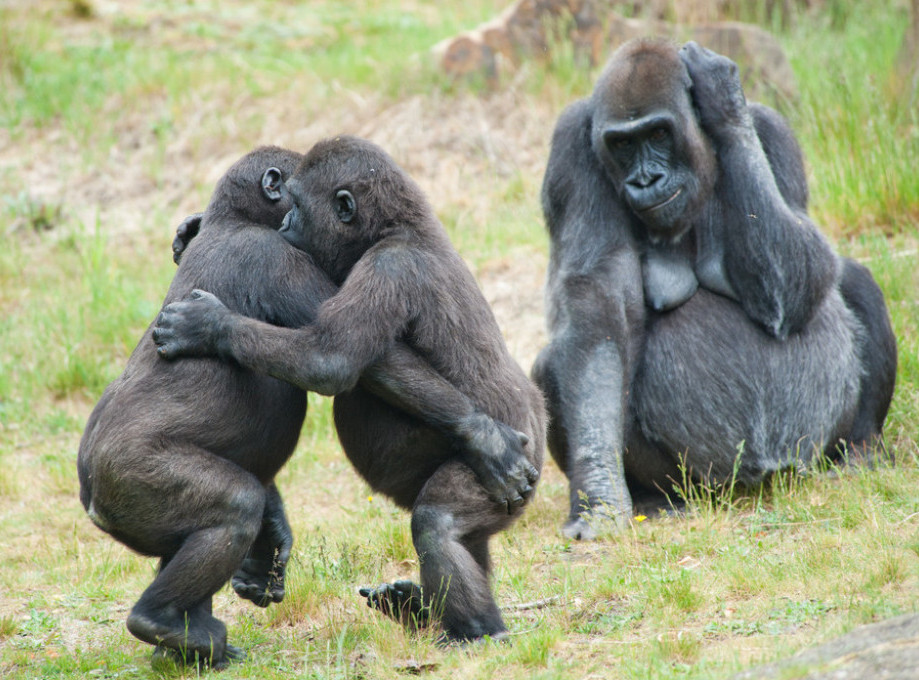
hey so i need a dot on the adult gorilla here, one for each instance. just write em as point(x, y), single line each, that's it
point(696, 314)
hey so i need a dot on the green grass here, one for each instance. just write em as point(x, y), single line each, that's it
point(157, 98)
point(860, 136)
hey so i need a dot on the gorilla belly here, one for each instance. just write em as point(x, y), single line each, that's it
point(712, 384)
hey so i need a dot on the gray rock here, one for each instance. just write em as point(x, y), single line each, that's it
point(888, 650)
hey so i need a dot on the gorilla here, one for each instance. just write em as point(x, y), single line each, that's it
point(699, 322)
point(370, 228)
point(178, 458)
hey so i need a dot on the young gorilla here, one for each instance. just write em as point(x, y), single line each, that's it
point(368, 225)
point(178, 459)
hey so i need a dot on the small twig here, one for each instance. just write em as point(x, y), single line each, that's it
point(535, 604)
point(798, 524)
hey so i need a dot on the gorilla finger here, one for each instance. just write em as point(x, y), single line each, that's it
point(366, 591)
point(524, 439)
point(532, 475)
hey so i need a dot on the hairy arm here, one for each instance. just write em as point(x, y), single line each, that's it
point(776, 261)
point(353, 337)
point(595, 313)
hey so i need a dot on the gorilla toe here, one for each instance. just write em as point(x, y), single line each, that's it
point(260, 583)
point(401, 600)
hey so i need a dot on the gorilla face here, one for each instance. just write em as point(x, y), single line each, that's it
point(648, 139)
point(324, 219)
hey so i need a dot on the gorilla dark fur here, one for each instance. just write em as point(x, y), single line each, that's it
point(368, 225)
point(694, 309)
point(178, 458)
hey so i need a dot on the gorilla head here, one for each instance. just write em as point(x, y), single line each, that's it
point(347, 194)
point(647, 137)
point(235, 197)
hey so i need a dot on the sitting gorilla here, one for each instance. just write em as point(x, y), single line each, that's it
point(696, 314)
point(178, 459)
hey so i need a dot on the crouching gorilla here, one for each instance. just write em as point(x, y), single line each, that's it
point(696, 314)
point(178, 458)
point(369, 227)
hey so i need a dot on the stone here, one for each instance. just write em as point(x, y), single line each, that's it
point(888, 650)
point(531, 29)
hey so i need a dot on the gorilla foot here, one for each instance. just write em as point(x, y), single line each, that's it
point(165, 659)
point(869, 453)
point(592, 524)
point(401, 600)
point(446, 640)
point(192, 637)
point(259, 581)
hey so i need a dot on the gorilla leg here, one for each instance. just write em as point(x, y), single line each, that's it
point(203, 528)
point(878, 356)
point(260, 578)
point(452, 517)
point(452, 521)
point(585, 423)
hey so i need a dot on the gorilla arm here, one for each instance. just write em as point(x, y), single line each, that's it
point(353, 339)
point(595, 318)
point(774, 259)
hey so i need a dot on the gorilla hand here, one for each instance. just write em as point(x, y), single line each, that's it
point(716, 91)
point(192, 327)
point(185, 232)
point(494, 451)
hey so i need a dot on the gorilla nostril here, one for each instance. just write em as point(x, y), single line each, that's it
point(645, 180)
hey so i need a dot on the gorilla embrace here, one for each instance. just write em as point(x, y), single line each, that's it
point(178, 459)
point(461, 443)
point(698, 319)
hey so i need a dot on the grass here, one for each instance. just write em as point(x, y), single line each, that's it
point(860, 133)
point(115, 125)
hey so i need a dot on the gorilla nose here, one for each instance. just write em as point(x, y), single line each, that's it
point(645, 180)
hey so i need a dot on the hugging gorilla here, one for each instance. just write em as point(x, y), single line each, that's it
point(178, 458)
point(696, 314)
point(368, 226)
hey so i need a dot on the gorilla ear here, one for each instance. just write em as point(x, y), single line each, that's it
point(345, 205)
point(272, 181)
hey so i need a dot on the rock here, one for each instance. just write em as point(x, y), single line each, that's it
point(530, 29)
point(525, 30)
point(888, 650)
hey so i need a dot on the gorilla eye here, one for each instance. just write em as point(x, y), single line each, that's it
point(622, 143)
point(658, 134)
point(345, 205)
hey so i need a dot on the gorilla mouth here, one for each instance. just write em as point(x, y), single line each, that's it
point(664, 202)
